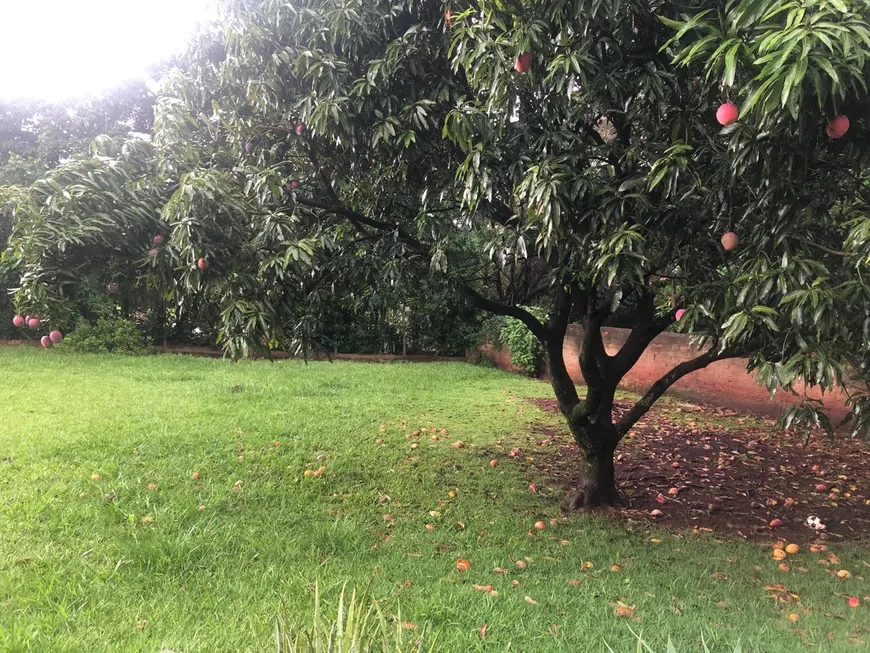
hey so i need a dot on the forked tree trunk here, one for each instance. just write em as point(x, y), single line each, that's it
point(591, 418)
point(597, 483)
point(593, 429)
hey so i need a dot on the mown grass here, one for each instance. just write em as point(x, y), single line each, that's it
point(106, 564)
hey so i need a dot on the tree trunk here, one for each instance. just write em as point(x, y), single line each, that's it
point(597, 485)
point(594, 433)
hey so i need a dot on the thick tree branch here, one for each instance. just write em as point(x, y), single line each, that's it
point(660, 387)
point(563, 385)
point(645, 330)
point(355, 216)
point(484, 304)
point(500, 213)
point(593, 356)
point(478, 300)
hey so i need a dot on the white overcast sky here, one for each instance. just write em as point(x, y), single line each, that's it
point(58, 49)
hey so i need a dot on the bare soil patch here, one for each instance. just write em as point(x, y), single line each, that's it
point(729, 480)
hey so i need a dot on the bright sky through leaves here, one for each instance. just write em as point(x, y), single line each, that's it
point(57, 49)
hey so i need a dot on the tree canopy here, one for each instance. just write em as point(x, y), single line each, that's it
point(574, 154)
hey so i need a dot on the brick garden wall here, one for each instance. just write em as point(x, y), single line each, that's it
point(724, 383)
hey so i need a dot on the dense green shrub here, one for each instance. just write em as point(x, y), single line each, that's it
point(106, 335)
point(526, 350)
point(490, 329)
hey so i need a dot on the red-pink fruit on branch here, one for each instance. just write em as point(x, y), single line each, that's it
point(33, 322)
point(679, 314)
point(727, 113)
point(56, 336)
point(46, 342)
point(202, 264)
point(730, 240)
point(837, 127)
point(524, 62)
point(158, 239)
point(18, 321)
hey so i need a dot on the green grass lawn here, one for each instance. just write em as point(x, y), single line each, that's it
point(104, 563)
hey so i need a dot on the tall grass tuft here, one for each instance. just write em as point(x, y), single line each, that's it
point(360, 626)
point(644, 647)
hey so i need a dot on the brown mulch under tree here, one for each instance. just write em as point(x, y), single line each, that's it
point(728, 480)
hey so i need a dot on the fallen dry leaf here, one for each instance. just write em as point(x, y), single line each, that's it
point(623, 610)
point(408, 625)
point(486, 588)
point(529, 599)
point(576, 582)
point(481, 632)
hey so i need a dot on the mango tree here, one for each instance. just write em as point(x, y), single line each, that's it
point(575, 155)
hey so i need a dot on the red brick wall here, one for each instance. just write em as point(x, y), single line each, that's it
point(724, 383)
